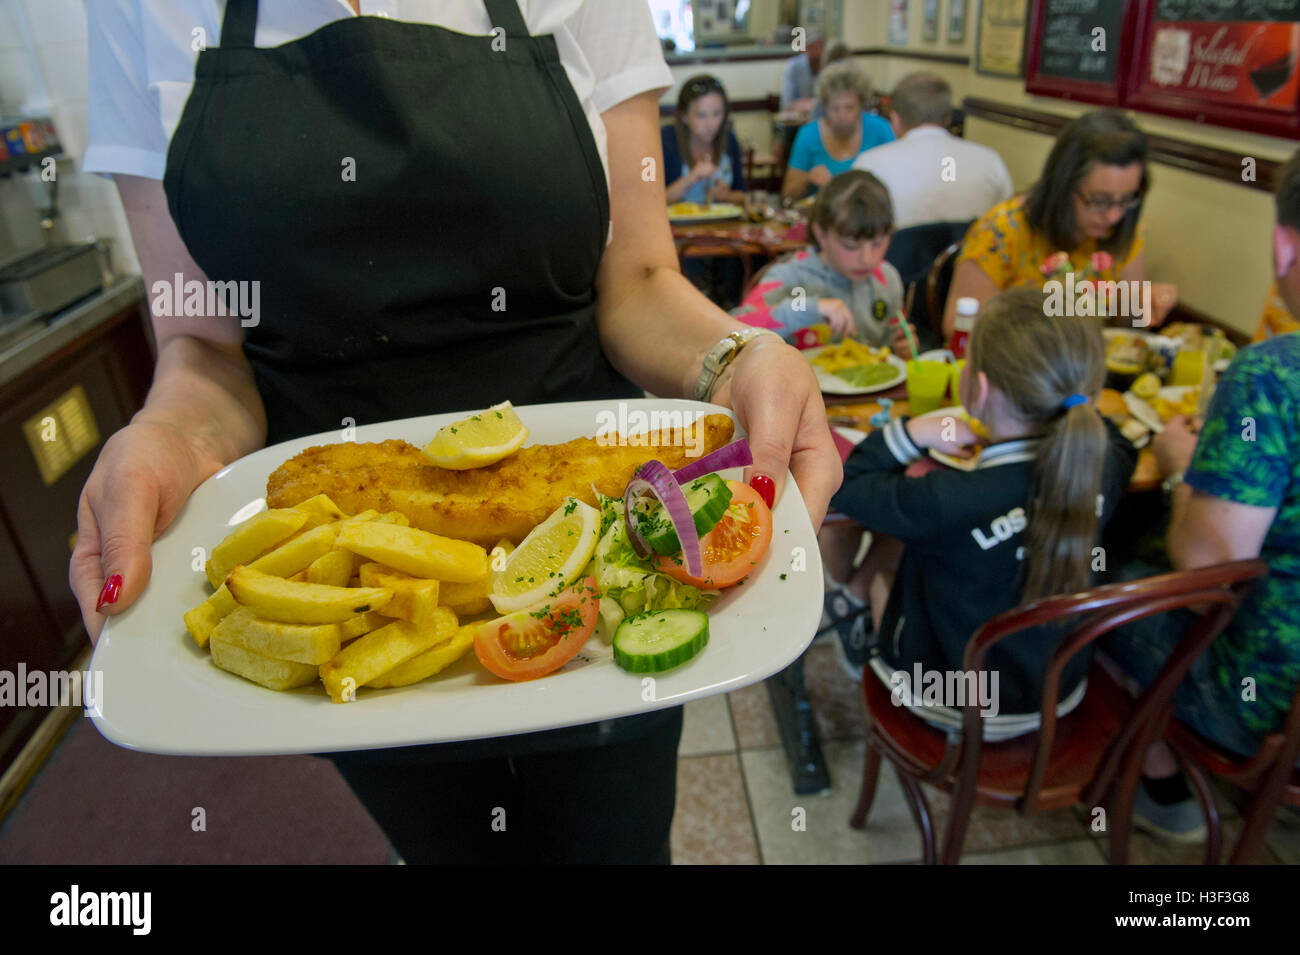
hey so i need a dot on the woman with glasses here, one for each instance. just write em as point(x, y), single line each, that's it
point(1086, 206)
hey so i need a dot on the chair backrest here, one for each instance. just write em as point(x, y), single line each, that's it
point(757, 277)
point(1102, 609)
point(937, 284)
point(914, 251)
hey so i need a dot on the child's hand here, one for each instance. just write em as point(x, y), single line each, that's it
point(949, 434)
point(899, 342)
point(837, 315)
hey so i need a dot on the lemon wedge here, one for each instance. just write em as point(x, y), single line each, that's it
point(1146, 387)
point(550, 558)
point(479, 440)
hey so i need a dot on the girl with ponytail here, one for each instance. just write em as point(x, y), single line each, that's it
point(1023, 524)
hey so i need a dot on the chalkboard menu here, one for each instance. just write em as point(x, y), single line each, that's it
point(1081, 39)
point(1080, 49)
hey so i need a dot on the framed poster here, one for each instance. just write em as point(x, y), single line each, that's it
point(956, 21)
point(1080, 49)
point(1226, 62)
point(1000, 37)
point(898, 23)
point(930, 20)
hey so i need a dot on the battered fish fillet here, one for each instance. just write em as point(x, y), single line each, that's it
point(506, 499)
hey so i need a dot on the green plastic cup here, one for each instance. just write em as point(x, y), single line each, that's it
point(927, 383)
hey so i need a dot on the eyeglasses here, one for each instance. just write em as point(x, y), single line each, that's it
point(1104, 203)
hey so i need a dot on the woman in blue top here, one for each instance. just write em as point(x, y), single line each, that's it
point(827, 147)
point(701, 154)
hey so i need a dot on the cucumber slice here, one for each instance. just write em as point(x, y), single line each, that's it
point(707, 497)
point(659, 640)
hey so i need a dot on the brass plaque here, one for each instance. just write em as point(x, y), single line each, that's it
point(61, 433)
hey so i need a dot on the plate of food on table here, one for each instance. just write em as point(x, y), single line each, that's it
point(686, 212)
point(456, 577)
point(1111, 403)
point(849, 367)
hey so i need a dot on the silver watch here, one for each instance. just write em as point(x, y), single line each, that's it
point(720, 356)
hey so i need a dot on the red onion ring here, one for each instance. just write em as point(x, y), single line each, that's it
point(734, 455)
point(655, 478)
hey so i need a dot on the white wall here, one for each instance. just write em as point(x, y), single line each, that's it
point(88, 204)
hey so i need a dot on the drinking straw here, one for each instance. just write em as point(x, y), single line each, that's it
point(911, 342)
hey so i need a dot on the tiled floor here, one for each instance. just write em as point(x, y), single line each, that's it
point(735, 803)
point(96, 803)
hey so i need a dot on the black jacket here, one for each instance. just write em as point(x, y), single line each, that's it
point(964, 536)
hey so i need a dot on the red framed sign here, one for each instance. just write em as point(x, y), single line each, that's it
point(1227, 62)
point(1080, 49)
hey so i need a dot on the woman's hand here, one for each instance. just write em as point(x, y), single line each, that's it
point(838, 316)
point(1164, 296)
point(144, 474)
point(772, 390)
point(819, 176)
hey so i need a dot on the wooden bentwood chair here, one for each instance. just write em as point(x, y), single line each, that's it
point(1095, 749)
point(1270, 776)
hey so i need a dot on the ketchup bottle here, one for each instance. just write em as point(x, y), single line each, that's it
point(967, 308)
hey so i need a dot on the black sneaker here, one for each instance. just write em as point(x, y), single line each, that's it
point(849, 622)
point(1181, 822)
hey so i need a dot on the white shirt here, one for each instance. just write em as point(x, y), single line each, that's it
point(934, 176)
point(142, 56)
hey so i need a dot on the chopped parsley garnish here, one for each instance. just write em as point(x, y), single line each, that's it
point(783, 578)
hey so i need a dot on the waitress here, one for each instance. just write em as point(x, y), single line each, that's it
point(423, 192)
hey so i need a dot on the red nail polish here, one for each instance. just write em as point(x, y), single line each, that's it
point(112, 587)
point(765, 487)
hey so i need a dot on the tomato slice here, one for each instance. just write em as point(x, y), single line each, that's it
point(733, 548)
point(531, 643)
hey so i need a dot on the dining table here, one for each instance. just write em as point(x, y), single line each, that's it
point(739, 238)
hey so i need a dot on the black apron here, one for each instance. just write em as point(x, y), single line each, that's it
point(425, 214)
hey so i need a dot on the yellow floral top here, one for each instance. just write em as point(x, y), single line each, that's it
point(1276, 320)
point(1011, 254)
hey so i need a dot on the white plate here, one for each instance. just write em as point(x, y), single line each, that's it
point(948, 460)
point(835, 385)
point(718, 211)
point(162, 694)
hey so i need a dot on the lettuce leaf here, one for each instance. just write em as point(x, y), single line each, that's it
point(628, 583)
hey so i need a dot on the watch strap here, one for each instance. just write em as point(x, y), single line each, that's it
point(720, 356)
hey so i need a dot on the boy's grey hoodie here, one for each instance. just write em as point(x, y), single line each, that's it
point(775, 302)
